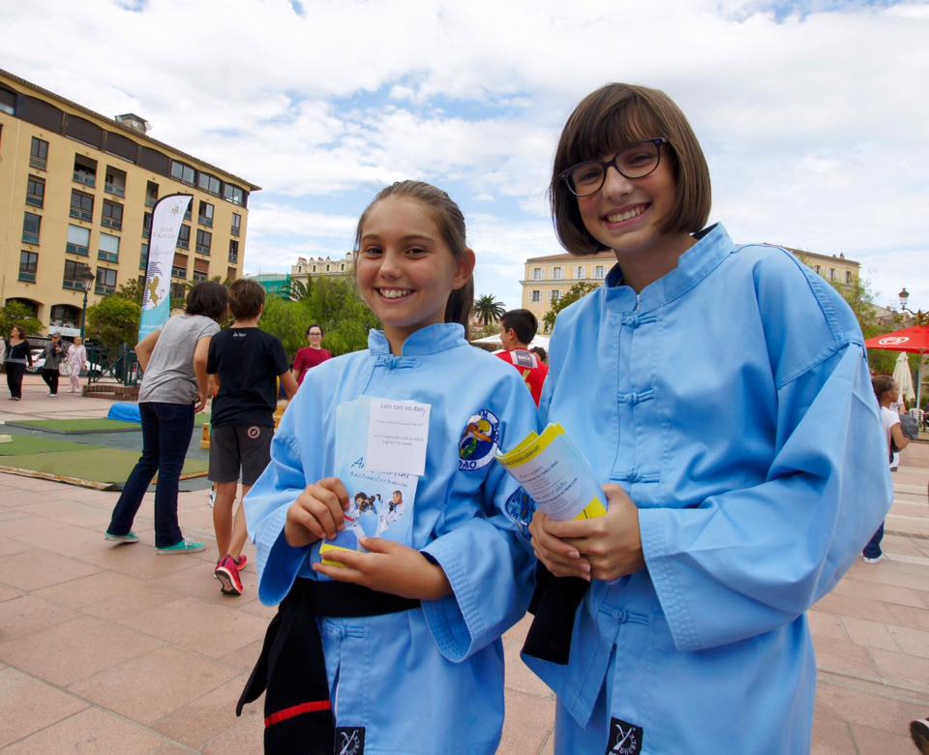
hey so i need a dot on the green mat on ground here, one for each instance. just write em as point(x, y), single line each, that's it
point(29, 444)
point(105, 468)
point(88, 425)
point(76, 426)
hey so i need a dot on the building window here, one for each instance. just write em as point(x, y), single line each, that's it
point(558, 273)
point(72, 277)
point(105, 282)
point(537, 273)
point(109, 248)
point(599, 271)
point(38, 157)
point(112, 215)
point(78, 240)
point(183, 237)
point(832, 273)
point(32, 227)
point(146, 225)
point(179, 266)
point(233, 252)
point(555, 295)
point(201, 270)
point(115, 182)
point(178, 294)
point(65, 314)
point(82, 205)
point(233, 194)
point(182, 172)
point(535, 296)
point(236, 224)
point(817, 269)
point(230, 274)
point(848, 277)
point(205, 214)
point(85, 171)
point(151, 194)
point(579, 272)
point(35, 191)
point(209, 183)
point(143, 257)
point(28, 266)
point(204, 241)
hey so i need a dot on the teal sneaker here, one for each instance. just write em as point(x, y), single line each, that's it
point(129, 537)
point(185, 546)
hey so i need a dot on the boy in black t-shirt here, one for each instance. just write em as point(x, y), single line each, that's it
point(245, 362)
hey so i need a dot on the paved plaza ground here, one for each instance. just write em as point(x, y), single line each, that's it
point(113, 649)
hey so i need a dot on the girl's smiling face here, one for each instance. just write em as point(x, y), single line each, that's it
point(404, 268)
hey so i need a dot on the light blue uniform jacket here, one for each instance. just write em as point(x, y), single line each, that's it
point(732, 400)
point(428, 680)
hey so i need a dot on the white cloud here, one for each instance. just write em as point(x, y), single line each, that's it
point(812, 114)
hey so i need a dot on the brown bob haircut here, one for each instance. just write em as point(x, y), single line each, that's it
point(451, 223)
point(605, 122)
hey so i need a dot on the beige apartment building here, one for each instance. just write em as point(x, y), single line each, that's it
point(77, 193)
point(549, 278)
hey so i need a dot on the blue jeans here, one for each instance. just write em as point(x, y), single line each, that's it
point(166, 433)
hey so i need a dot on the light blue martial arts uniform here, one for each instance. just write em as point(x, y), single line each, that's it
point(428, 680)
point(732, 400)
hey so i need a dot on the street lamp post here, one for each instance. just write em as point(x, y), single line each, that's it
point(904, 297)
point(87, 278)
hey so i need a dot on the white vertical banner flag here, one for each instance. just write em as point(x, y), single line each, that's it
point(167, 216)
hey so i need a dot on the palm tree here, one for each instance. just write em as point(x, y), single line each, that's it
point(488, 310)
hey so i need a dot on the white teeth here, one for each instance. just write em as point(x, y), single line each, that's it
point(619, 217)
point(394, 293)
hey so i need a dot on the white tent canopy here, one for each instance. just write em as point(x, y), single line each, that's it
point(493, 342)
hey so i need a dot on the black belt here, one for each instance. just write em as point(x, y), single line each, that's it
point(292, 667)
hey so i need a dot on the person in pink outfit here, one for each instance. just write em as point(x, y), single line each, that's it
point(76, 359)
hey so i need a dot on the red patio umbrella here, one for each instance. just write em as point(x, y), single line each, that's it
point(912, 340)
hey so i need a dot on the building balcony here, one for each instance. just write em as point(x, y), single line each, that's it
point(114, 189)
point(116, 225)
point(208, 222)
point(30, 238)
point(234, 230)
point(81, 251)
point(204, 250)
point(35, 201)
point(26, 277)
point(38, 162)
point(108, 257)
point(88, 179)
point(183, 244)
point(81, 214)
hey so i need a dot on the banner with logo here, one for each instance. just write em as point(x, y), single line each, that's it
point(167, 216)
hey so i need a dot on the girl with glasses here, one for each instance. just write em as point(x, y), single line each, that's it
point(721, 393)
point(400, 652)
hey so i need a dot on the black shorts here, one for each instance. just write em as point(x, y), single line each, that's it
point(234, 447)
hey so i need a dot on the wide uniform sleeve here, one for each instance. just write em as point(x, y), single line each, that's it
point(282, 482)
point(748, 560)
point(487, 559)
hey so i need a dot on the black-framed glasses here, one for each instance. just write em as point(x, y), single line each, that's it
point(635, 161)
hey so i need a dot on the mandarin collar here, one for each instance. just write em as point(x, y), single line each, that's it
point(428, 340)
point(712, 247)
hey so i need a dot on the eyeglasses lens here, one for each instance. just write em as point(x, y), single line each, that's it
point(636, 161)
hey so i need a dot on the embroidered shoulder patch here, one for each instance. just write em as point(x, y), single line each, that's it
point(625, 738)
point(519, 508)
point(478, 441)
point(349, 740)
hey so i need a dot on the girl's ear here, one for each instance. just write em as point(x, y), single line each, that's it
point(464, 269)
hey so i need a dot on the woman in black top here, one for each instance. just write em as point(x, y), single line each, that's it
point(18, 357)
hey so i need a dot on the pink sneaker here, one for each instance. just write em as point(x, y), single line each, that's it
point(228, 575)
point(241, 562)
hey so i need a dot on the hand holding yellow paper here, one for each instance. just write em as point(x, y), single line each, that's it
point(553, 471)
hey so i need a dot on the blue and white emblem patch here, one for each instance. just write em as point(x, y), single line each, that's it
point(519, 508)
point(478, 441)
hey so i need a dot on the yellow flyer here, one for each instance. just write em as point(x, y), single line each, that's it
point(553, 471)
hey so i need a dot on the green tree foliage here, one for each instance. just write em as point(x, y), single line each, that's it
point(859, 297)
point(488, 310)
point(577, 291)
point(131, 290)
point(17, 313)
point(113, 321)
point(288, 320)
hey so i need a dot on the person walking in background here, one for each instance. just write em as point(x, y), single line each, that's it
point(244, 362)
point(887, 393)
point(312, 355)
point(174, 389)
point(740, 455)
point(54, 353)
point(18, 358)
point(76, 359)
point(541, 353)
point(517, 329)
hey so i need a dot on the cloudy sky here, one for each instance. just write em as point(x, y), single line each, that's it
point(814, 115)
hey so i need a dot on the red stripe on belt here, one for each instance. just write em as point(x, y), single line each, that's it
point(296, 710)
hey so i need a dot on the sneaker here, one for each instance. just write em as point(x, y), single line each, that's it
point(876, 559)
point(185, 546)
point(241, 562)
point(919, 730)
point(53, 395)
point(129, 537)
point(228, 575)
